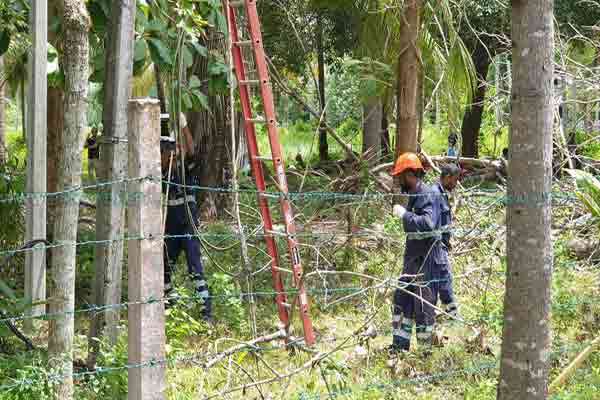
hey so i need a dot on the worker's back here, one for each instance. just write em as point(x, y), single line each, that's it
point(422, 231)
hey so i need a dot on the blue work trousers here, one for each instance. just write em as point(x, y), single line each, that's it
point(179, 223)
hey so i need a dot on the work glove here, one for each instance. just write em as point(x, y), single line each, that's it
point(399, 211)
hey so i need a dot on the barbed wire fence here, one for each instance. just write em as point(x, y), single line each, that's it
point(486, 198)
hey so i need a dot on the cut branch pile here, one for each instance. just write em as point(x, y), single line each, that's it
point(474, 170)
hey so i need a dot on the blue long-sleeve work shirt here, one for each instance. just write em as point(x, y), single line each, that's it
point(422, 222)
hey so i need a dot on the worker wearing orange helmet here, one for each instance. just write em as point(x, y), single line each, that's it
point(417, 293)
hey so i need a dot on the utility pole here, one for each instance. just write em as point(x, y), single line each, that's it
point(145, 256)
point(35, 260)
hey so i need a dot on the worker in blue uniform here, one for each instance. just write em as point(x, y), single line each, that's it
point(450, 174)
point(416, 295)
point(182, 216)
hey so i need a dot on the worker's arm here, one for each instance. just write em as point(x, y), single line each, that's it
point(422, 220)
point(187, 136)
point(189, 142)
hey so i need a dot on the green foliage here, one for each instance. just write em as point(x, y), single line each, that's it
point(30, 372)
point(13, 22)
point(12, 184)
point(588, 191)
point(374, 77)
point(107, 384)
point(290, 31)
point(588, 144)
point(227, 305)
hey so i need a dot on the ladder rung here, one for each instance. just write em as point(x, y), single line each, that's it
point(263, 158)
point(286, 305)
point(243, 43)
point(250, 82)
point(258, 120)
point(237, 3)
point(269, 195)
point(277, 233)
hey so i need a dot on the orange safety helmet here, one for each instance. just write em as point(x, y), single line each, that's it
point(407, 161)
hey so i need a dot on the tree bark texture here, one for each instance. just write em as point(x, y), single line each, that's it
point(160, 90)
point(372, 128)
point(211, 132)
point(471, 125)
point(75, 26)
point(110, 207)
point(408, 78)
point(526, 330)
point(55, 122)
point(323, 146)
point(385, 132)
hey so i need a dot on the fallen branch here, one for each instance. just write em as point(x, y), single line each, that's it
point(469, 163)
point(309, 364)
point(252, 344)
point(575, 364)
point(13, 328)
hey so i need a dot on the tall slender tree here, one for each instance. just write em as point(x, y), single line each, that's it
point(323, 145)
point(409, 65)
point(110, 212)
point(526, 330)
point(75, 28)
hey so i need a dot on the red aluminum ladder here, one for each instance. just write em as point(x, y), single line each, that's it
point(255, 43)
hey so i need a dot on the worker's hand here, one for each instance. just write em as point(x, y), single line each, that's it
point(399, 211)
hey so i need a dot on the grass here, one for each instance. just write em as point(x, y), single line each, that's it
point(359, 369)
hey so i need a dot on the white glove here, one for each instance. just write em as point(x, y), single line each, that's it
point(399, 211)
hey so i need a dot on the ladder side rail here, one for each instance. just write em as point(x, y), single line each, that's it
point(257, 172)
point(269, 108)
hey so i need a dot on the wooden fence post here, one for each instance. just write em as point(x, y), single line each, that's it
point(35, 260)
point(145, 256)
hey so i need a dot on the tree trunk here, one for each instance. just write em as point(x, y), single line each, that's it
point(323, 146)
point(110, 210)
point(526, 330)
point(372, 128)
point(385, 132)
point(55, 123)
point(2, 118)
point(23, 108)
point(420, 109)
point(160, 90)
point(75, 26)
point(211, 132)
point(471, 124)
point(499, 87)
point(408, 78)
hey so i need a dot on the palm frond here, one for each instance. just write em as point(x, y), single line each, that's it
point(588, 190)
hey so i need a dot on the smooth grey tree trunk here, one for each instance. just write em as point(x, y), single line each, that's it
point(2, 117)
point(75, 63)
point(498, 84)
point(110, 210)
point(372, 128)
point(526, 331)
